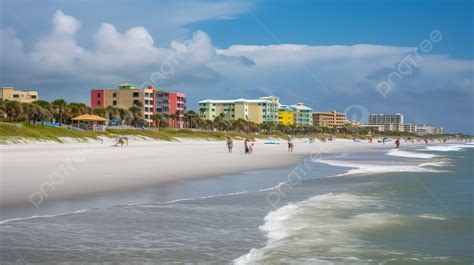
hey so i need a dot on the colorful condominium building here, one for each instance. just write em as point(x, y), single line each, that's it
point(331, 119)
point(302, 115)
point(262, 110)
point(9, 93)
point(286, 115)
point(153, 101)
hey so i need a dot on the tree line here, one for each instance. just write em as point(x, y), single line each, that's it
point(62, 112)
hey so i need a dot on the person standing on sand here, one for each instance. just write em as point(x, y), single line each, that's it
point(397, 143)
point(246, 146)
point(290, 144)
point(230, 145)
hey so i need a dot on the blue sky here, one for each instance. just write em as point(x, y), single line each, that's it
point(328, 54)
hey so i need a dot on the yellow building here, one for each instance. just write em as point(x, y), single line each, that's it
point(331, 119)
point(260, 110)
point(286, 115)
point(9, 93)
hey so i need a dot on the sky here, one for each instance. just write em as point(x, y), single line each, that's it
point(355, 56)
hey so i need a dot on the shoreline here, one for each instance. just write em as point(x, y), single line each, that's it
point(38, 172)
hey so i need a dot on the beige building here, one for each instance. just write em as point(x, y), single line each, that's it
point(9, 93)
point(331, 119)
point(124, 97)
point(264, 109)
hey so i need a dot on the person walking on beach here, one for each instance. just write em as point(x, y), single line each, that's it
point(397, 143)
point(246, 146)
point(290, 144)
point(230, 145)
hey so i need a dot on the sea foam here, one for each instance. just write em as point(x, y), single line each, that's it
point(400, 153)
point(321, 225)
point(366, 168)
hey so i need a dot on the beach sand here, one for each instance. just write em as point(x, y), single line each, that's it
point(36, 172)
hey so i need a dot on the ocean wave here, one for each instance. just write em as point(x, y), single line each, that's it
point(446, 148)
point(322, 225)
point(432, 217)
point(327, 228)
point(365, 168)
point(6, 221)
point(400, 153)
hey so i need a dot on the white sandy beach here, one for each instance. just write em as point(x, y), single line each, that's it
point(36, 172)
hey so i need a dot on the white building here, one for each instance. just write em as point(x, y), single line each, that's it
point(424, 129)
point(385, 119)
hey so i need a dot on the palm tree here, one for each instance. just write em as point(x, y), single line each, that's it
point(13, 110)
point(178, 115)
point(123, 114)
point(112, 113)
point(172, 118)
point(157, 119)
point(190, 117)
point(2, 107)
point(31, 111)
point(136, 112)
point(59, 108)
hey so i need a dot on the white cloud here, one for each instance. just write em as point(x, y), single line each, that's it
point(64, 24)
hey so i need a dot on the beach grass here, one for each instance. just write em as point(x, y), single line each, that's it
point(17, 133)
point(20, 132)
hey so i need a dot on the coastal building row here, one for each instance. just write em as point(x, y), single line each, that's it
point(9, 93)
point(261, 110)
point(395, 122)
point(153, 101)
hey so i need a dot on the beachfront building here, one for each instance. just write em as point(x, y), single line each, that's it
point(262, 110)
point(331, 119)
point(302, 115)
point(383, 119)
point(9, 93)
point(391, 122)
point(151, 100)
point(410, 128)
point(424, 129)
point(286, 115)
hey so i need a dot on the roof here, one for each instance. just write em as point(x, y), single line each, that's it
point(88, 117)
point(301, 107)
point(235, 100)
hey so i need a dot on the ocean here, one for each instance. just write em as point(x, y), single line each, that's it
point(407, 206)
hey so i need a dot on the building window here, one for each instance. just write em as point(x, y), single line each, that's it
point(147, 116)
point(136, 102)
point(33, 97)
point(98, 95)
point(146, 109)
point(136, 94)
point(16, 96)
point(114, 95)
point(114, 102)
point(98, 102)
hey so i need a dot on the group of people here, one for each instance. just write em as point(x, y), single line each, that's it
point(249, 145)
